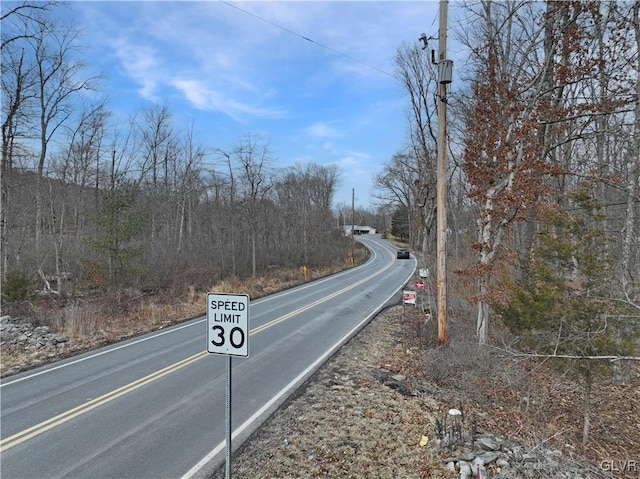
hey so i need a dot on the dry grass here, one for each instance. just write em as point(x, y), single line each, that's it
point(98, 319)
point(351, 420)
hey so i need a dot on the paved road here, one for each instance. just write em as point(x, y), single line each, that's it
point(154, 406)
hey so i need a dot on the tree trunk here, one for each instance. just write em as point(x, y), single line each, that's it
point(588, 382)
point(253, 251)
point(181, 223)
point(633, 172)
point(482, 320)
point(4, 241)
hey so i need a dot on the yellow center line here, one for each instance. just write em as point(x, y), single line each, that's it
point(59, 419)
point(44, 426)
point(316, 303)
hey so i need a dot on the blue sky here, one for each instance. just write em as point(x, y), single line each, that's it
point(231, 73)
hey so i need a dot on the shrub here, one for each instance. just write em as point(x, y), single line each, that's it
point(17, 287)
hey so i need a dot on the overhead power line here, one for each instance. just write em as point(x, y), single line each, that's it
point(310, 40)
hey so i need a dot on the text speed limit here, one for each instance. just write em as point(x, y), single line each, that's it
point(228, 324)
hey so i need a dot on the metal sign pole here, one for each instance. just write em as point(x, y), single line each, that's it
point(228, 420)
point(228, 334)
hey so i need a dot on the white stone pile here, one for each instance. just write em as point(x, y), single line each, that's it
point(494, 457)
point(28, 337)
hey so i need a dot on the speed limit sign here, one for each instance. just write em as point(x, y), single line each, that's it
point(228, 324)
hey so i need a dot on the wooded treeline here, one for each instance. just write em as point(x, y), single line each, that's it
point(142, 203)
point(544, 166)
point(545, 119)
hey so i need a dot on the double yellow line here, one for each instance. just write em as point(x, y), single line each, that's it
point(55, 421)
point(44, 426)
point(315, 303)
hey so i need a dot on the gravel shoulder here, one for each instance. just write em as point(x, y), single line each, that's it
point(355, 418)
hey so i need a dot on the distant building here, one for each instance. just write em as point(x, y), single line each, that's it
point(359, 230)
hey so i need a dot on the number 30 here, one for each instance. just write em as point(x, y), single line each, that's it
point(219, 339)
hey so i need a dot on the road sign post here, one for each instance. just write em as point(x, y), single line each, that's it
point(228, 334)
point(228, 452)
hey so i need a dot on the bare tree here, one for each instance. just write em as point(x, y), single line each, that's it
point(254, 161)
point(42, 72)
point(157, 135)
point(226, 196)
point(397, 185)
point(59, 78)
point(186, 174)
point(633, 166)
point(536, 106)
point(75, 168)
point(25, 13)
point(415, 71)
point(304, 194)
point(157, 139)
point(18, 81)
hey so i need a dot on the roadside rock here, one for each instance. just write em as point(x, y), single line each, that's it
point(27, 336)
point(38, 341)
point(495, 457)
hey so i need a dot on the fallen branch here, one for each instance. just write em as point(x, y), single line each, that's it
point(567, 356)
point(47, 285)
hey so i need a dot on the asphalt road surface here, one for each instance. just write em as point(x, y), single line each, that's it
point(154, 406)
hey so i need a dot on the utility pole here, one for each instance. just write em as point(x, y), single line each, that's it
point(353, 215)
point(445, 68)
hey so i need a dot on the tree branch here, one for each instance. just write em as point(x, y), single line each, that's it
point(567, 356)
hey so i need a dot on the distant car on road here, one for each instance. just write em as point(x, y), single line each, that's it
point(403, 253)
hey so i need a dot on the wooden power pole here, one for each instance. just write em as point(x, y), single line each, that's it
point(353, 225)
point(445, 68)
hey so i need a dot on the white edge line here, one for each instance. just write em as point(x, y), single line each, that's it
point(313, 283)
point(110, 350)
point(293, 384)
point(174, 328)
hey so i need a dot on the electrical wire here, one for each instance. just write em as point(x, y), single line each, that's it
point(333, 50)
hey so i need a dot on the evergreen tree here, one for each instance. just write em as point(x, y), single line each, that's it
point(400, 223)
point(564, 308)
point(17, 287)
point(120, 224)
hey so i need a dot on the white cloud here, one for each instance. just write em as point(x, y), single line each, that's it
point(322, 130)
point(203, 97)
point(287, 74)
point(140, 63)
